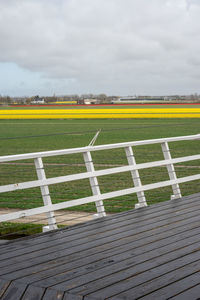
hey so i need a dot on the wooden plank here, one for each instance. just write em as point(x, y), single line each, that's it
point(45, 194)
point(124, 269)
point(3, 286)
point(53, 295)
point(171, 170)
point(14, 292)
point(83, 265)
point(172, 289)
point(69, 296)
point(3, 242)
point(105, 229)
point(135, 177)
point(94, 184)
point(39, 272)
point(165, 285)
point(152, 252)
point(192, 293)
point(77, 260)
point(144, 229)
point(78, 246)
point(159, 208)
point(106, 224)
point(33, 293)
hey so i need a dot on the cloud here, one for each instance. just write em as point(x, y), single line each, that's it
point(113, 46)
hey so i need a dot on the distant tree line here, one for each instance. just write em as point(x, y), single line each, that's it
point(102, 98)
point(5, 100)
point(94, 98)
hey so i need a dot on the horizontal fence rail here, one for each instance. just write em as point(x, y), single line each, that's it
point(93, 175)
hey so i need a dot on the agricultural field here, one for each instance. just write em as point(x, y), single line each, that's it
point(25, 136)
point(101, 112)
point(22, 136)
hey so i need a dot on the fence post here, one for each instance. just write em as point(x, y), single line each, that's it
point(45, 195)
point(136, 177)
point(94, 184)
point(171, 171)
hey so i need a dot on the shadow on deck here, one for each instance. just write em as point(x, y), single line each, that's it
point(149, 253)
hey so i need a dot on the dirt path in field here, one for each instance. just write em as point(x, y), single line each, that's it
point(62, 217)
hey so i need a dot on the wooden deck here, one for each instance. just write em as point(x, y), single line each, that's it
point(149, 253)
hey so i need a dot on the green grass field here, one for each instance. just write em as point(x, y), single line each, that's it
point(21, 136)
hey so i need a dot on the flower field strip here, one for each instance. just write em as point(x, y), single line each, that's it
point(99, 113)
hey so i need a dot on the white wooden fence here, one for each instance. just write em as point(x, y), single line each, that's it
point(93, 175)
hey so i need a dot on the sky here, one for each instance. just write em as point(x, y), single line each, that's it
point(116, 47)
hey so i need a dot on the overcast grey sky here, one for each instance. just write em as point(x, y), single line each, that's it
point(117, 47)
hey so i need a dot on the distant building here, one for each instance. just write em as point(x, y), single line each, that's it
point(128, 98)
point(88, 101)
point(37, 100)
point(138, 99)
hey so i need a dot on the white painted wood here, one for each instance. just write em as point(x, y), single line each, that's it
point(66, 204)
point(67, 178)
point(171, 171)
point(45, 194)
point(94, 183)
point(136, 177)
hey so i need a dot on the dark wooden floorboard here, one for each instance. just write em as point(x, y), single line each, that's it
point(100, 260)
point(14, 292)
point(96, 280)
point(150, 236)
point(126, 257)
point(167, 280)
point(4, 284)
point(25, 243)
point(52, 295)
point(33, 293)
point(65, 249)
point(70, 258)
point(149, 253)
point(107, 225)
point(175, 288)
point(192, 293)
point(69, 296)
